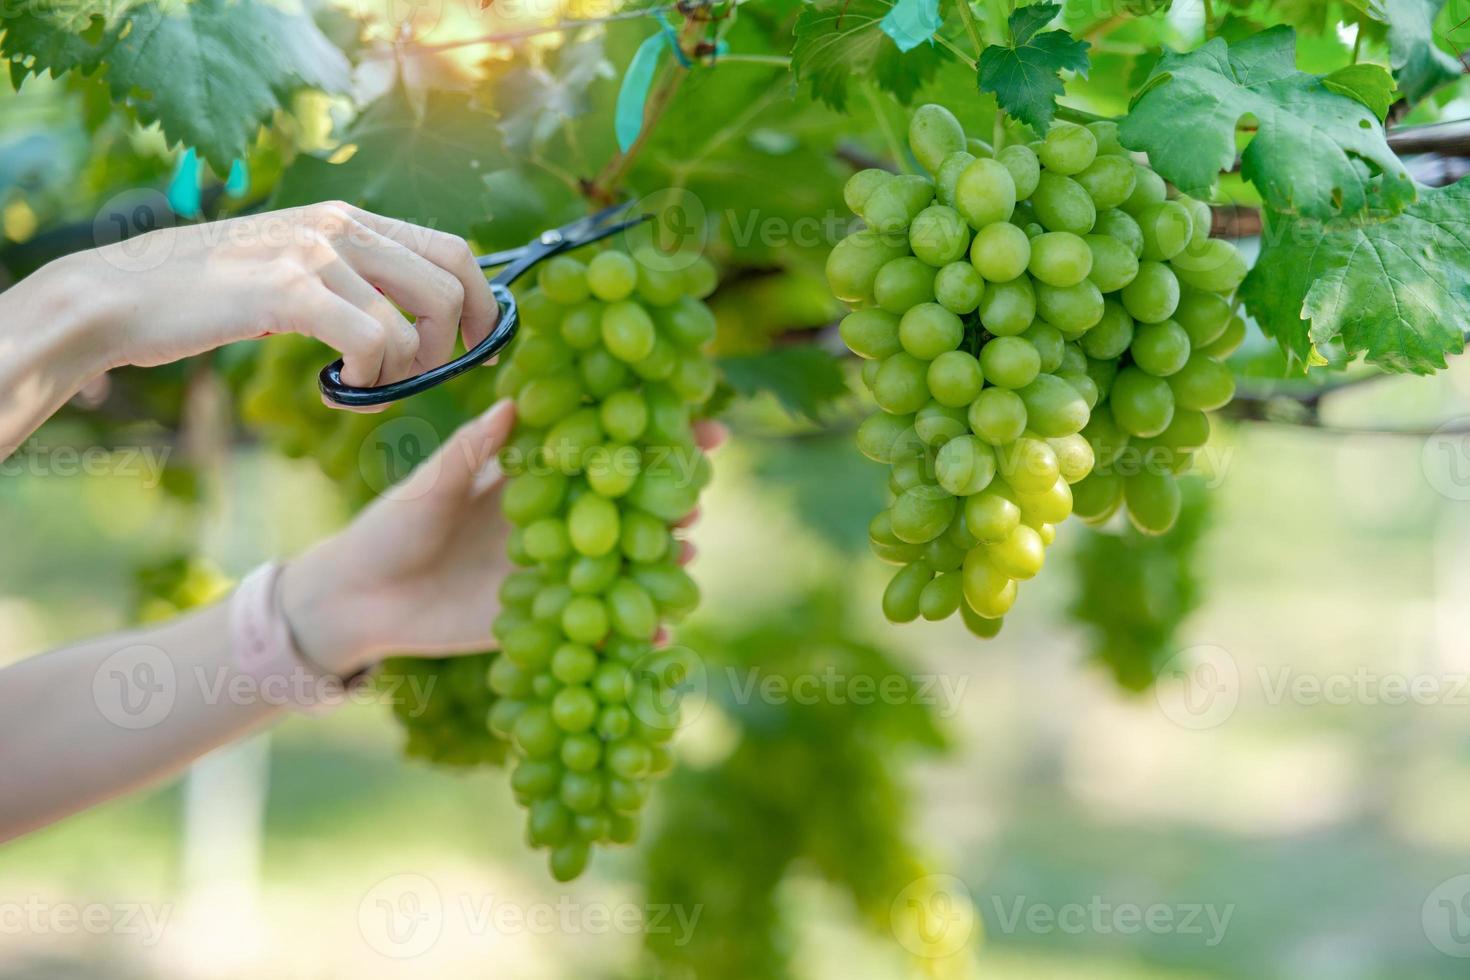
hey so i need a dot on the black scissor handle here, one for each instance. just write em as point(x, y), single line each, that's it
point(332, 386)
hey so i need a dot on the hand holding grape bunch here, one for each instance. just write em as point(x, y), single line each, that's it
point(1043, 329)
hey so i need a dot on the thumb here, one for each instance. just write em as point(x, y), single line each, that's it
point(467, 456)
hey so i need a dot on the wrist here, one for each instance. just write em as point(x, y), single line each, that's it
point(323, 617)
point(61, 310)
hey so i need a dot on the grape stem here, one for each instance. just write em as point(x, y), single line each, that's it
point(968, 16)
point(604, 189)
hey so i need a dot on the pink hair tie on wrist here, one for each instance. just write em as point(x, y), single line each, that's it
point(264, 650)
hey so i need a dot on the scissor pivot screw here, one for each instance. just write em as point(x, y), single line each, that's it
point(552, 237)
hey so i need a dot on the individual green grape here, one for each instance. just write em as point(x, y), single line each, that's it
point(659, 287)
point(989, 592)
point(1216, 266)
point(941, 598)
point(1108, 180)
point(870, 333)
point(612, 276)
point(1153, 501)
point(985, 193)
point(921, 514)
point(901, 598)
point(861, 185)
point(1204, 316)
point(1202, 384)
point(936, 424)
point(1107, 439)
point(1062, 204)
point(955, 378)
point(545, 400)
point(1153, 295)
point(948, 175)
point(902, 384)
point(1060, 258)
point(627, 330)
point(1050, 506)
point(1111, 335)
point(992, 514)
point(958, 287)
point(688, 323)
point(964, 466)
point(1201, 220)
point(1097, 496)
point(1189, 430)
point(1024, 167)
point(1000, 252)
point(1120, 225)
point(928, 330)
point(1071, 309)
point(1019, 556)
point(934, 133)
point(1075, 456)
point(1028, 465)
point(563, 280)
point(938, 235)
point(1149, 188)
point(1068, 149)
point(1167, 229)
point(1228, 342)
point(904, 283)
point(1053, 407)
point(997, 415)
point(1009, 362)
point(881, 437)
point(1009, 307)
point(701, 279)
point(1113, 263)
point(1051, 346)
point(852, 266)
point(1142, 404)
point(1161, 349)
point(896, 202)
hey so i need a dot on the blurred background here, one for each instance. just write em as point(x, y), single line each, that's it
point(1237, 751)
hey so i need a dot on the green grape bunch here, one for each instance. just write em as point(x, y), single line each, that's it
point(607, 374)
point(1042, 328)
point(442, 704)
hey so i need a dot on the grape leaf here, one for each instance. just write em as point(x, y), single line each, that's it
point(1419, 64)
point(1397, 291)
point(1025, 75)
point(1369, 84)
point(1316, 152)
point(839, 40)
point(210, 72)
point(429, 168)
point(538, 99)
point(804, 380)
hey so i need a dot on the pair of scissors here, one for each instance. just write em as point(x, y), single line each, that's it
point(517, 262)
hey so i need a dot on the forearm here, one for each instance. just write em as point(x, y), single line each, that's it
point(88, 722)
point(49, 348)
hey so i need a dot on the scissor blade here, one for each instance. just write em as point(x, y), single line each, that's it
point(500, 258)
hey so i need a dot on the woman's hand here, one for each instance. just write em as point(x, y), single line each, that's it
point(418, 571)
point(326, 270)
